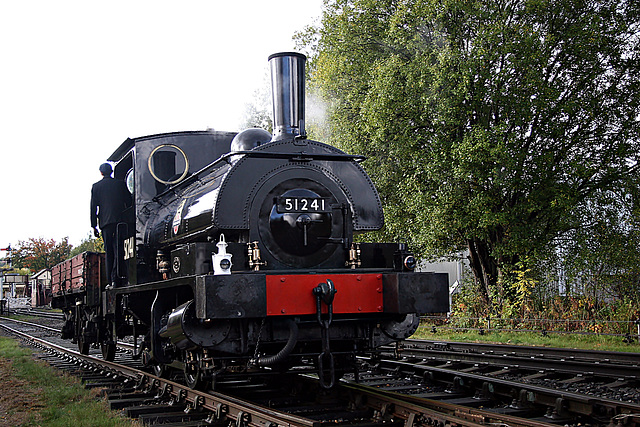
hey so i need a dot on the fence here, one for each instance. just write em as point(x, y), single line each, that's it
point(620, 328)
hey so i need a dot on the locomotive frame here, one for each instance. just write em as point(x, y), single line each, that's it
point(239, 253)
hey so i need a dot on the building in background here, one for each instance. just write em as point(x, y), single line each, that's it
point(41, 288)
point(15, 285)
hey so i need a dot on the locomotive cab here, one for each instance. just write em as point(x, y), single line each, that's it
point(151, 166)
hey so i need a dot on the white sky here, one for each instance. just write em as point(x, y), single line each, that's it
point(79, 77)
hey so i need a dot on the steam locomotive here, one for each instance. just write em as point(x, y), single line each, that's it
point(239, 253)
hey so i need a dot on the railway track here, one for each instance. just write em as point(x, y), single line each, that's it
point(420, 348)
point(610, 375)
point(510, 396)
point(385, 391)
point(44, 314)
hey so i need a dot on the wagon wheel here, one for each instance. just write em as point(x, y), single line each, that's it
point(108, 350)
point(108, 345)
point(80, 329)
point(83, 347)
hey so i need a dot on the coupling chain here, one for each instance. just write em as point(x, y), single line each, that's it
point(254, 361)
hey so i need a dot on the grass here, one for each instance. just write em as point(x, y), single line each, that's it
point(35, 394)
point(562, 340)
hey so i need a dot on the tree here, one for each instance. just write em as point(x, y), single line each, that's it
point(37, 254)
point(255, 118)
point(600, 259)
point(257, 114)
point(89, 244)
point(487, 123)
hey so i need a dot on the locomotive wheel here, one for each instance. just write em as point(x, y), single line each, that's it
point(193, 377)
point(108, 351)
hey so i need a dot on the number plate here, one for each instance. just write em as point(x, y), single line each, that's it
point(303, 204)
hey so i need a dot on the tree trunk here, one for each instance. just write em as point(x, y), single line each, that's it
point(485, 269)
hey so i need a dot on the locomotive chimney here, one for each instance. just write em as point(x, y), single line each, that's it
point(287, 86)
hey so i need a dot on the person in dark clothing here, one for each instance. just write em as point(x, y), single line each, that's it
point(109, 199)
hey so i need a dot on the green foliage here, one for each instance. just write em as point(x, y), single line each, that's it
point(21, 271)
point(487, 124)
point(256, 118)
point(601, 257)
point(593, 342)
point(89, 244)
point(558, 313)
point(467, 308)
point(515, 291)
point(39, 253)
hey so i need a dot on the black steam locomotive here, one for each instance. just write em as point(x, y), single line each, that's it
point(239, 253)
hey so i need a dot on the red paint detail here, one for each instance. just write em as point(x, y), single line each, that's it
point(293, 294)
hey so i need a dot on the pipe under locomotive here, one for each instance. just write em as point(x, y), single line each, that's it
point(239, 252)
